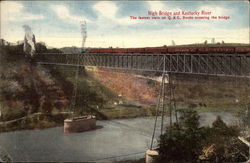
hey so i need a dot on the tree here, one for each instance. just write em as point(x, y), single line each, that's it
point(226, 146)
point(183, 142)
point(188, 142)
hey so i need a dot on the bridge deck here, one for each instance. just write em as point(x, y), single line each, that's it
point(237, 65)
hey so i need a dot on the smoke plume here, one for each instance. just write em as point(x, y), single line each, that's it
point(29, 41)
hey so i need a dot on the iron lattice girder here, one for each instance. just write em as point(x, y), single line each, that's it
point(207, 64)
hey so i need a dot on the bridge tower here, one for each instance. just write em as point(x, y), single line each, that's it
point(162, 101)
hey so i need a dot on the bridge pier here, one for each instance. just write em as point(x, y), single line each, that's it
point(80, 124)
point(151, 155)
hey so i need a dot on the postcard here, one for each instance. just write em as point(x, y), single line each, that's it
point(125, 81)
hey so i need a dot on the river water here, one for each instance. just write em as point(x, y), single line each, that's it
point(114, 140)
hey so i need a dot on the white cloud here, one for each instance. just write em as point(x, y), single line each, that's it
point(63, 13)
point(216, 11)
point(14, 11)
point(156, 5)
point(108, 10)
point(159, 5)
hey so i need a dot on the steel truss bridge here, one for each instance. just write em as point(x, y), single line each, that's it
point(234, 65)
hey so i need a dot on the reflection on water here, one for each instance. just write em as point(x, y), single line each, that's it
point(116, 140)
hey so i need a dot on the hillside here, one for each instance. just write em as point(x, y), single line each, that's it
point(27, 88)
point(203, 93)
point(37, 96)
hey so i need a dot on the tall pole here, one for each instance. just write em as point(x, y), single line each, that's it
point(75, 86)
point(160, 102)
point(156, 114)
point(163, 93)
point(170, 98)
point(74, 99)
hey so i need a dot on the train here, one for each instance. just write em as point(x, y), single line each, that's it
point(176, 50)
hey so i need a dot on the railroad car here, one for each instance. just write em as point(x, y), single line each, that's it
point(109, 50)
point(181, 50)
point(94, 50)
point(119, 50)
point(203, 50)
point(156, 50)
point(136, 50)
point(192, 50)
point(221, 50)
point(242, 49)
point(173, 50)
point(185, 50)
point(229, 50)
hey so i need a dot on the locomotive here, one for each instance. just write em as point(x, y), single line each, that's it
point(174, 50)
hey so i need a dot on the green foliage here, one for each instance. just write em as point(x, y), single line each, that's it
point(10, 113)
point(189, 120)
point(221, 129)
point(18, 83)
point(188, 142)
point(182, 142)
point(91, 95)
point(225, 141)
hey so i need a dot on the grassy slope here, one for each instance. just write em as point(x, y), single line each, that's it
point(97, 97)
point(212, 93)
point(199, 92)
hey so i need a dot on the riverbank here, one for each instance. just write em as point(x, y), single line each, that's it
point(45, 120)
point(34, 121)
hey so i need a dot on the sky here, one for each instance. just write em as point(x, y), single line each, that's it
point(57, 23)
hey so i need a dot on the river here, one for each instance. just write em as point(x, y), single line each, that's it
point(114, 140)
